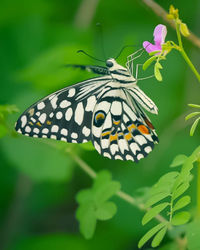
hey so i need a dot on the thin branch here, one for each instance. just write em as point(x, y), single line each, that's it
point(159, 11)
point(85, 13)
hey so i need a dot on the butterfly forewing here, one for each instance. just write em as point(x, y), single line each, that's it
point(64, 115)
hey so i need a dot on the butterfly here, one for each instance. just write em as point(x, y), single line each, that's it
point(107, 110)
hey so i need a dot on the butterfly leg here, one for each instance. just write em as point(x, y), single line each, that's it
point(95, 69)
point(131, 58)
point(136, 74)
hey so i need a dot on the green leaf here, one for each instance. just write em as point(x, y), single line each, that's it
point(194, 105)
point(153, 212)
point(184, 201)
point(106, 191)
point(159, 66)
point(103, 177)
point(87, 218)
point(106, 211)
point(195, 155)
point(180, 218)
point(150, 233)
point(157, 72)
point(193, 234)
point(87, 146)
point(178, 160)
point(104, 188)
point(148, 62)
point(155, 198)
point(154, 52)
point(180, 190)
point(159, 237)
point(191, 115)
point(84, 196)
point(194, 125)
point(165, 183)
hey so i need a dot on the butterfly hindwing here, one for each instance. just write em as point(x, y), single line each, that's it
point(119, 130)
point(64, 115)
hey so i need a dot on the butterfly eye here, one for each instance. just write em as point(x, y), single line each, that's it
point(109, 63)
point(99, 118)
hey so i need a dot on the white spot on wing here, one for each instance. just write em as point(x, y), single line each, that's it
point(118, 157)
point(36, 130)
point(23, 120)
point(105, 154)
point(79, 113)
point(129, 157)
point(140, 156)
point(140, 139)
point(59, 115)
point(134, 147)
point(64, 131)
point(65, 104)
point(114, 148)
point(74, 135)
point(96, 145)
point(45, 131)
point(91, 101)
point(68, 114)
point(53, 137)
point(42, 118)
point(116, 108)
point(71, 92)
point(148, 149)
point(86, 131)
point(54, 128)
point(40, 105)
point(27, 129)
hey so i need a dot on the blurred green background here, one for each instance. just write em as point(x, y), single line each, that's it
point(38, 183)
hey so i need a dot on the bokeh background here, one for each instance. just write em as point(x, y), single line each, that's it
point(38, 183)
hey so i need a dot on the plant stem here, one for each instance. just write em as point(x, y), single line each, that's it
point(124, 196)
point(183, 53)
point(198, 188)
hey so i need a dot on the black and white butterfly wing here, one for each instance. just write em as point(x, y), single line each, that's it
point(64, 115)
point(120, 129)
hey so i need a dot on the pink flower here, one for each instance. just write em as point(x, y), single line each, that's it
point(159, 34)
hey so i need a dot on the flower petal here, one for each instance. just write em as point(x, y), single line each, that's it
point(159, 34)
point(149, 47)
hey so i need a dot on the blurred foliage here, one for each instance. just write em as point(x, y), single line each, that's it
point(38, 181)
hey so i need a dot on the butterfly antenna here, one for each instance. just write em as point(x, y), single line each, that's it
point(124, 47)
point(101, 39)
point(82, 51)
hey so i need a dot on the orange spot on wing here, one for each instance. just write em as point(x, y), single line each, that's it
point(130, 127)
point(106, 133)
point(116, 122)
point(31, 123)
point(48, 123)
point(113, 137)
point(128, 136)
point(39, 124)
point(143, 129)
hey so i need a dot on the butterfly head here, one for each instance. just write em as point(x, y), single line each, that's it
point(113, 65)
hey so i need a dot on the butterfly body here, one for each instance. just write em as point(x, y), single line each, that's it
point(105, 110)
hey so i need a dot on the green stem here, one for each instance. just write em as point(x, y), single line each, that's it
point(198, 188)
point(183, 53)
